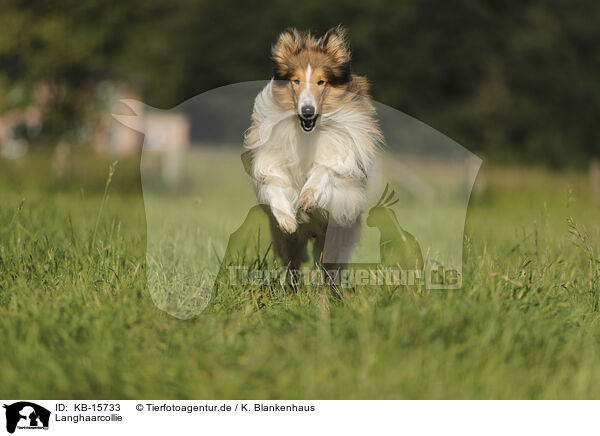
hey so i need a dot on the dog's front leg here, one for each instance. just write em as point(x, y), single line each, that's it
point(348, 200)
point(343, 197)
point(317, 190)
point(281, 198)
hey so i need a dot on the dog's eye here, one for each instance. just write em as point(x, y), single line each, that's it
point(297, 82)
point(321, 82)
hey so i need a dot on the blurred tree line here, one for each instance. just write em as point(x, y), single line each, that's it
point(514, 80)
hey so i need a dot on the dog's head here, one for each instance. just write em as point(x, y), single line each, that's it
point(310, 73)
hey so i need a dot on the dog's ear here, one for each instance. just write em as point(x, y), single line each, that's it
point(289, 43)
point(334, 44)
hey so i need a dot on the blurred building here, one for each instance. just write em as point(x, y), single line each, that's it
point(17, 125)
point(11, 146)
point(165, 136)
point(164, 132)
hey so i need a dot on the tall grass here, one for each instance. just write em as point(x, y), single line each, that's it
point(80, 323)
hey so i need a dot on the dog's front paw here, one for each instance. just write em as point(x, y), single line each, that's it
point(307, 199)
point(287, 223)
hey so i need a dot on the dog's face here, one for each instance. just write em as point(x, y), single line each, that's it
point(310, 74)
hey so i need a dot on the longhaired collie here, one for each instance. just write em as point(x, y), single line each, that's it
point(311, 144)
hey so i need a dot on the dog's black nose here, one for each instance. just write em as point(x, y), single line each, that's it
point(308, 111)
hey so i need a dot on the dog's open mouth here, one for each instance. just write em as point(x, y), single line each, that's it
point(308, 124)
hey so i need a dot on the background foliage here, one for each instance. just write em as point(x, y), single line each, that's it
point(509, 79)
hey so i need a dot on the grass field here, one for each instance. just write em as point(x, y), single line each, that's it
point(77, 320)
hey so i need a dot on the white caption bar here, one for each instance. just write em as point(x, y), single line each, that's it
point(297, 417)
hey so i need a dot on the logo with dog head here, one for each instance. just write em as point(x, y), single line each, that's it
point(26, 415)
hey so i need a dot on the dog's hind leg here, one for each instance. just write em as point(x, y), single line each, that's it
point(336, 250)
point(289, 249)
